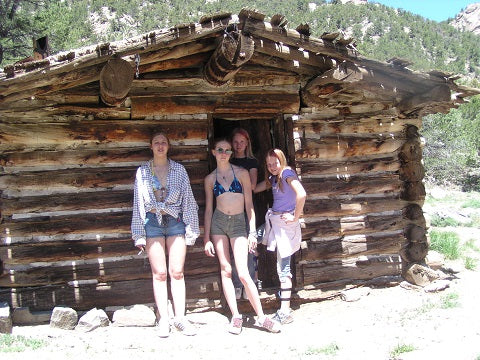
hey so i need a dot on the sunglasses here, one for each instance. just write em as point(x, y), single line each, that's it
point(224, 151)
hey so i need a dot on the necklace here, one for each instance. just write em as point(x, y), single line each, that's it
point(159, 183)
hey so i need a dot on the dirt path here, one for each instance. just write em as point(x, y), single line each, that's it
point(333, 329)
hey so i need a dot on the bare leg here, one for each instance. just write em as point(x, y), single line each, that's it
point(223, 253)
point(156, 255)
point(240, 251)
point(177, 251)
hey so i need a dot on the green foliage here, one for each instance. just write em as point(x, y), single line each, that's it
point(13, 343)
point(471, 203)
point(445, 242)
point(330, 349)
point(438, 221)
point(452, 146)
point(449, 301)
point(400, 349)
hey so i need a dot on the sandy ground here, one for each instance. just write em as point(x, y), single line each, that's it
point(370, 328)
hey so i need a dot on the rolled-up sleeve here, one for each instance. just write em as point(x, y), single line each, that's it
point(138, 214)
point(190, 211)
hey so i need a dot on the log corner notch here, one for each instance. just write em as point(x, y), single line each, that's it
point(116, 79)
point(234, 50)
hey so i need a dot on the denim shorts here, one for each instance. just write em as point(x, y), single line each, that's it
point(283, 268)
point(170, 226)
point(232, 226)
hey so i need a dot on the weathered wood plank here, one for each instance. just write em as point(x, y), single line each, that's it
point(353, 185)
point(354, 245)
point(78, 179)
point(51, 228)
point(37, 160)
point(92, 134)
point(260, 102)
point(347, 168)
point(102, 269)
point(359, 205)
point(341, 148)
point(102, 295)
point(364, 267)
point(77, 202)
point(322, 227)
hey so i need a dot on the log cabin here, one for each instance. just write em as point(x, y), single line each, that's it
point(74, 127)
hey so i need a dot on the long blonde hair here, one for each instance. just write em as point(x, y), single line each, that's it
point(276, 153)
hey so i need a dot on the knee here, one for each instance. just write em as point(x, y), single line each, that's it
point(160, 276)
point(227, 271)
point(176, 274)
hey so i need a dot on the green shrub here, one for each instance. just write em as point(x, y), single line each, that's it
point(400, 349)
point(445, 242)
point(19, 343)
point(438, 221)
point(471, 203)
point(450, 301)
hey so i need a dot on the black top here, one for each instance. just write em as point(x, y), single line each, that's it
point(246, 163)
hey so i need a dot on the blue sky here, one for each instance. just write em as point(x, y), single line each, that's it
point(437, 10)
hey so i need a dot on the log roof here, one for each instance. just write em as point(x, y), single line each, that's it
point(328, 70)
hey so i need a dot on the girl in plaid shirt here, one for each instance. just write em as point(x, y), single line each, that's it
point(165, 220)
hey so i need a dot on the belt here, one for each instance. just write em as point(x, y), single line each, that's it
point(283, 212)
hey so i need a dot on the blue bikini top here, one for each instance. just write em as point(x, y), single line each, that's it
point(235, 186)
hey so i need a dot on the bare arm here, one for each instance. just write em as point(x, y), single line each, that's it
point(301, 195)
point(207, 223)
point(253, 177)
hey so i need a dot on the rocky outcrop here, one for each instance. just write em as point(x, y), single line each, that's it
point(468, 19)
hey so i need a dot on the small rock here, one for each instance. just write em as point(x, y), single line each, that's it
point(420, 275)
point(437, 285)
point(63, 318)
point(354, 294)
point(136, 315)
point(409, 286)
point(23, 316)
point(93, 319)
point(5, 318)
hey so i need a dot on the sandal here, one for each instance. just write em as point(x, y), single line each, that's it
point(268, 324)
point(235, 326)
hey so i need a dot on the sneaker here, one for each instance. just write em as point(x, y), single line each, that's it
point(235, 326)
point(163, 328)
point(283, 318)
point(268, 324)
point(238, 293)
point(185, 326)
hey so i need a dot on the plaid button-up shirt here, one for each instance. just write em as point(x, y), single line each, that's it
point(179, 200)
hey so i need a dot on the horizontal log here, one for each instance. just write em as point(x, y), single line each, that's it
point(315, 227)
point(78, 202)
point(354, 185)
point(102, 295)
point(411, 151)
point(260, 102)
point(414, 252)
point(310, 127)
point(362, 268)
point(42, 160)
point(354, 245)
point(342, 149)
point(102, 269)
point(72, 226)
point(92, 134)
point(338, 207)
point(82, 180)
point(72, 250)
point(346, 168)
point(413, 191)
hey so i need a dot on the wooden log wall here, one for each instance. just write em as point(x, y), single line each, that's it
point(66, 204)
point(363, 175)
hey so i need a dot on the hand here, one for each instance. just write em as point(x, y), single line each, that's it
point(288, 218)
point(141, 248)
point(209, 249)
point(252, 243)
